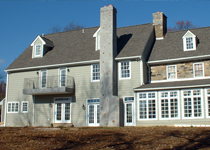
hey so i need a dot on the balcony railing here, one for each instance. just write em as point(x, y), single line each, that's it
point(48, 85)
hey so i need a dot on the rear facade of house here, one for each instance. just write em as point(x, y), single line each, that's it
point(107, 76)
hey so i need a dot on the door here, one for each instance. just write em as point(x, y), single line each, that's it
point(62, 114)
point(93, 114)
point(43, 81)
point(129, 111)
point(62, 77)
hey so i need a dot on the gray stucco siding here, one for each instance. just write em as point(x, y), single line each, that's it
point(179, 121)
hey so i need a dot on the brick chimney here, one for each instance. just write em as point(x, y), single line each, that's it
point(160, 23)
point(109, 104)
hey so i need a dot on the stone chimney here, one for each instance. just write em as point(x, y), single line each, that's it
point(160, 23)
point(109, 104)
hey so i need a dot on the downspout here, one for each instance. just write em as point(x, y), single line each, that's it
point(7, 84)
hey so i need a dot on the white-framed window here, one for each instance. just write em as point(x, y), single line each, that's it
point(12, 107)
point(147, 106)
point(189, 41)
point(192, 103)
point(198, 69)
point(169, 104)
point(207, 103)
point(43, 79)
point(62, 77)
point(125, 69)
point(37, 50)
point(171, 72)
point(95, 72)
point(24, 107)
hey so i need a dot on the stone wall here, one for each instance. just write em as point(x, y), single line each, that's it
point(184, 70)
point(158, 73)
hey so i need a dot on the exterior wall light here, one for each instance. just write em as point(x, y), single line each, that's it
point(83, 106)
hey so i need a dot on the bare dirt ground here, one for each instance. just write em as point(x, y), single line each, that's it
point(105, 138)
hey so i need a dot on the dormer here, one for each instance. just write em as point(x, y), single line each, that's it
point(97, 42)
point(189, 41)
point(40, 46)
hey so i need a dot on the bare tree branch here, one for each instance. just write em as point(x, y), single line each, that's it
point(183, 25)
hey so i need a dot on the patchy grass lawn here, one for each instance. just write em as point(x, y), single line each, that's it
point(105, 138)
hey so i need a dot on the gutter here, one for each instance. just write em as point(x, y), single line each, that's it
point(126, 58)
point(175, 87)
point(178, 59)
point(55, 65)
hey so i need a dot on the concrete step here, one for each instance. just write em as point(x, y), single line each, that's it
point(56, 125)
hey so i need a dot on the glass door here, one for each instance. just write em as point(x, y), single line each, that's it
point(63, 77)
point(129, 111)
point(62, 114)
point(93, 114)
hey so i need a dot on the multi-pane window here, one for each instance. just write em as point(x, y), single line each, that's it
point(24, 107)
point(198, 70)
point(95, 72)
point(43, 78)
point(147, 105)
point(63, 77)
point(192, 104)
point(125, 71)
point(171, 72)
point(169, 105)
point(37, 50)
point(189, 42)
point(12, 107)
point(208, 102)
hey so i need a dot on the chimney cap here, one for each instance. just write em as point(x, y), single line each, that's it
point(105, 6)
point(158, 12)
point(110, 5)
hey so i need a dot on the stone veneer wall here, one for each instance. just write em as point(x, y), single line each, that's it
point(184, 70)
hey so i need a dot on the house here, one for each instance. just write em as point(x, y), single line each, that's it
point(108, 76)
point(79, 77)
point(177, 92)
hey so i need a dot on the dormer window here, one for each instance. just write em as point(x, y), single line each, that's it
point(37, 50)
point(189, 41)
point(40, 46)
point(97, 41)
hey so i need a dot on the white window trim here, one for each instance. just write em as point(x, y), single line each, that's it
point(147, 106)
point(178, 98)
point(22, 107)
point(70, 101)
point(167, 72)
point(11, 106)
point(92, 73)
point(41, 78)
point(184, 41)
point(182, 99)
point(34, 51)
point(133, 111)
point(194, 69)
point(119, 64)
point(206, 102)
point(87, 124)
point(59, 77)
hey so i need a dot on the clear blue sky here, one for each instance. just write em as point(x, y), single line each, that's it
point(22, 21)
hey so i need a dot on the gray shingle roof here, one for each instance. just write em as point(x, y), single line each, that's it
point(75, 46)
point(171, 46)
point(47, 41)
point(174, 85)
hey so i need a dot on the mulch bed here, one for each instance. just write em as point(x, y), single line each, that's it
point(105, 138)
